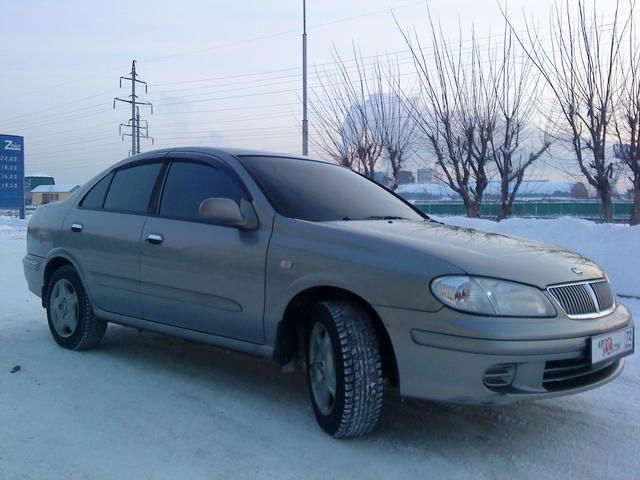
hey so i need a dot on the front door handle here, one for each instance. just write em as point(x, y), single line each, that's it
point(76, 227)
point(155, 239)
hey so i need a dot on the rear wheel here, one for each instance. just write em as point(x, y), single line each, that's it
point(344, 369)
point(71, 320)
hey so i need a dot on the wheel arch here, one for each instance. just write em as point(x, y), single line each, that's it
point(291, 330)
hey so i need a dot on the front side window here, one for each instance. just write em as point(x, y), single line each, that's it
point(322, 192)
point(131, 188)
point(188, 184)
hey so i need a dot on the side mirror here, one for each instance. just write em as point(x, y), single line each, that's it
point(227, 212)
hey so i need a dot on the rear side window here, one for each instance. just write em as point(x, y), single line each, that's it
point(95, 198)
point(188, 184)
point(131, 188)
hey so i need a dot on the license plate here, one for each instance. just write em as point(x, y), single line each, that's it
point(611, 346)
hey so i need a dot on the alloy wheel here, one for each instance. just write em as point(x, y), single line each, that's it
point(322, 369)
point(64, 308)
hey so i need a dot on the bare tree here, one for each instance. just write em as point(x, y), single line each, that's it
point(454, 111)
point(580, 68)
point(627, 122)
point(343, 118)
point(393, 125)
point(515, 86)
point(329, 110)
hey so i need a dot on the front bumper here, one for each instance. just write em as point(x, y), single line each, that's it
point(34, 273)
point(451, 367)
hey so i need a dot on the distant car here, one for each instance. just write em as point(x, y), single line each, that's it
point(306, 262)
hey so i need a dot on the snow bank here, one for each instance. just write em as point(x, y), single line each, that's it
point(616, 248)
point(12, 224)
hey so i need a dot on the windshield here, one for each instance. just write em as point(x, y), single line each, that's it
point(322, 192)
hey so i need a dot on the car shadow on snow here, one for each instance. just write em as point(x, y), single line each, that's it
point(209, 376)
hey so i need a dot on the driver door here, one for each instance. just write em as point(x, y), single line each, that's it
point(196, 274)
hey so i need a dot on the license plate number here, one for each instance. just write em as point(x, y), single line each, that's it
point(612, 345)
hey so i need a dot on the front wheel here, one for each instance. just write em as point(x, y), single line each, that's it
point(71, 320)
point(344, 369)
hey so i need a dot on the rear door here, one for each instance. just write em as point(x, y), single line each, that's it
point(104, 234)
point(196, 274)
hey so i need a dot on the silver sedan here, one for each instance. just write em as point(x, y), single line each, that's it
point(310, 264)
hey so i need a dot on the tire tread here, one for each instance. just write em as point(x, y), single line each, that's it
point(362, 364)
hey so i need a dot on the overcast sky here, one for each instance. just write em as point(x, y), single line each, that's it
point(219, 72)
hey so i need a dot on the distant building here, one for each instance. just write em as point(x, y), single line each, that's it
point(629, 194)
point(51, 193)
point(426, 175)
point(32, 181)
point(405, 177)
point(383, 179)
point(579, 191)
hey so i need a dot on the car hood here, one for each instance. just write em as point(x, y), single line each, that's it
point(482, 253)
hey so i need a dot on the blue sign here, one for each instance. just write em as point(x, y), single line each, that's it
point(12, 172)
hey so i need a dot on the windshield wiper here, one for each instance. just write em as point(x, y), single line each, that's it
point(378, 217)
point(386, 217)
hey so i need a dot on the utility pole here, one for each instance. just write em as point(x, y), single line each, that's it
point(134, 121)
point(137, 129)
point(140, 126)
point(305, 121)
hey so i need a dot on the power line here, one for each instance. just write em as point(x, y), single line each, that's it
point(211, 110)
point(55, 118)
point(242, 132)
point(205, 140)
point(224, 45)
point(399, 55)
point(285, 32)
point(62, 105)
point(226, 119)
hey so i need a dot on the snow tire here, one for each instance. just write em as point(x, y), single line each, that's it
point(357, 405)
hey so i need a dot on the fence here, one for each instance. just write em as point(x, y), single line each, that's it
point(582, 209)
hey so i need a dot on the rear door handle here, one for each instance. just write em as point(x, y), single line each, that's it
point(155, 239)
point(76, 227)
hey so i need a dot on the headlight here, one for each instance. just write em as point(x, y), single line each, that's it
point(487, 296)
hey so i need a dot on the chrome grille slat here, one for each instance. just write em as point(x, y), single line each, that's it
point(586, 302)
point(590, 299)
point(578, 304)
point(604, 294)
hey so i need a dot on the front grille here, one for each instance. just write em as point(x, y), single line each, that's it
point(584, 299)
point(574, 372)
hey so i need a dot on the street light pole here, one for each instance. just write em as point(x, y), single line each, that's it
point(305, 121)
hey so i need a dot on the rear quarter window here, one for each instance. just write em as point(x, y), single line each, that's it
point(95, 198)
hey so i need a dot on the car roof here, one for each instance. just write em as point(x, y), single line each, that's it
point(222, 150)
point(214, 152)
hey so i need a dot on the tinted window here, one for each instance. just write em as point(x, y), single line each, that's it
point(131, 188)
point(188, 184)
point(318, 191)
point(95, 198)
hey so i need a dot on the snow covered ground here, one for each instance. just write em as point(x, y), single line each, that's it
point(144, 406)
